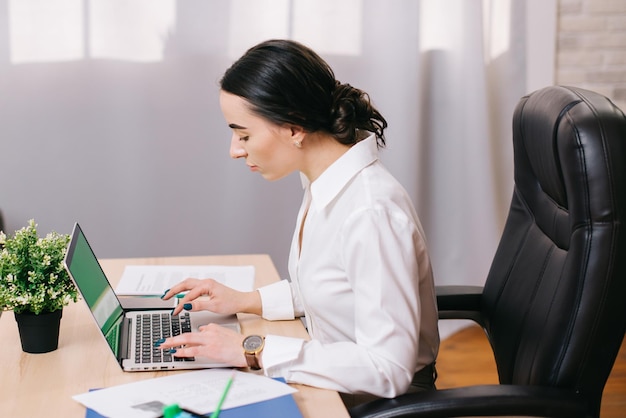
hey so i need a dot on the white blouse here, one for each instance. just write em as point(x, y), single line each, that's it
point(362, 279)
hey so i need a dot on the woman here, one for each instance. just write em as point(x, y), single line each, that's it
point(359, 267)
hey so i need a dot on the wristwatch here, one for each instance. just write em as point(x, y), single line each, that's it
point(252, 347)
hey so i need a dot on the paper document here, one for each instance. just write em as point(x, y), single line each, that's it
point(197, 391)
point(153, 280)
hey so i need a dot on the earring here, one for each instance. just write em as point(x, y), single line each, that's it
point(297, 143)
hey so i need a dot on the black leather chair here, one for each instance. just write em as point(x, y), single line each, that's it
point(554, 302)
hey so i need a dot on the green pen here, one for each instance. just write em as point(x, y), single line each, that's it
point(175, 411)
point(171, 411)
point(218, 408)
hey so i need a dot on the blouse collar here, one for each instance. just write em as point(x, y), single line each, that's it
point(328, 185)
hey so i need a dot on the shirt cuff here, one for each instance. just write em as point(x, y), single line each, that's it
point(276, 301)
point(279, 352)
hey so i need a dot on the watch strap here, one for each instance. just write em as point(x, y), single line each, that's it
point(252, 360)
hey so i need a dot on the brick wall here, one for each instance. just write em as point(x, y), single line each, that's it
point(591, 47)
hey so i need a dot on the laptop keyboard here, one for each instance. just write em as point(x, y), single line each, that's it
point(152, 327)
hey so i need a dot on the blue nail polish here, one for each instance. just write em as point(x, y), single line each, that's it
point(171, 351)
point(187, 306)
point(158, 342)
point(164, 293)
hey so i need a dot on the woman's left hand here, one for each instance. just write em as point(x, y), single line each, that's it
point(213, 341)
point(211, 295)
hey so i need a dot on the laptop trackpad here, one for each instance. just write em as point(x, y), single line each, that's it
point(201, 318)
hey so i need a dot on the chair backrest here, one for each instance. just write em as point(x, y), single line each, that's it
point(555, 297)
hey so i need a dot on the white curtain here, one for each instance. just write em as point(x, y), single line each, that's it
point(109, 116)
point(471, 77)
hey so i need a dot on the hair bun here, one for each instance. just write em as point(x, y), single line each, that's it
point(351, 109)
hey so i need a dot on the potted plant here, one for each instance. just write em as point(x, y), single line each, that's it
point(35, 285)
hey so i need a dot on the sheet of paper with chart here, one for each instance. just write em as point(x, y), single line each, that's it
point(197, 391)
point(153, 280)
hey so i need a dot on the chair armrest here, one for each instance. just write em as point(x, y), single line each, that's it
point(484, 400)
point(460, 302)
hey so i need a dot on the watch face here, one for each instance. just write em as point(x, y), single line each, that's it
point(252, 343)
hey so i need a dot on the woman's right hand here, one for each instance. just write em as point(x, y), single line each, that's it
point(211, 295)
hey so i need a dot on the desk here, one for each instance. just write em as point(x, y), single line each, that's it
point(41, 385)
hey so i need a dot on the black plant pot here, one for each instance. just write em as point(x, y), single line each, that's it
point(39, 333)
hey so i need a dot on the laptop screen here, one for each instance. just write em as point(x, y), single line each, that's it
point(85, 271)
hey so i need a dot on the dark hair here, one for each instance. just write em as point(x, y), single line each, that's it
point(286, 82)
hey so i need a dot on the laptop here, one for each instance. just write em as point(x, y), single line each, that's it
point(131, 333)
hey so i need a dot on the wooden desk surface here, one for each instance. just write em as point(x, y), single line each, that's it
point(38, 385)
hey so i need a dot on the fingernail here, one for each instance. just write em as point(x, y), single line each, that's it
point(171, 351)
point(158, 342)
point(164, 293)
point(187, 306)
point(172, 312)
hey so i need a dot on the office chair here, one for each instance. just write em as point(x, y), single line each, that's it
point(554, 302)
